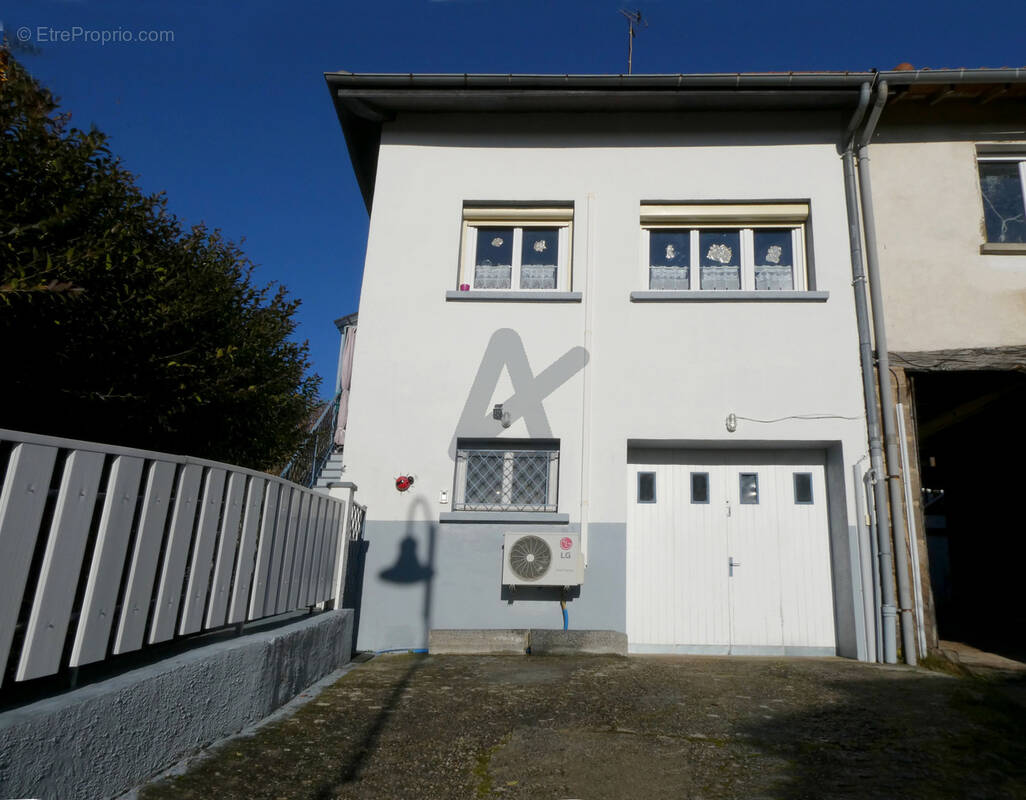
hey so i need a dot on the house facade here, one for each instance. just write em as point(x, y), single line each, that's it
point(614, 313)
point(949, 171)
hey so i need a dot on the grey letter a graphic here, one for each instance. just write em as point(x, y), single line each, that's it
point(505, 348)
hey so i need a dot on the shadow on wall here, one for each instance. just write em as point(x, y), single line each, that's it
point(352, 591)
point(408, 569)
point(539, 594)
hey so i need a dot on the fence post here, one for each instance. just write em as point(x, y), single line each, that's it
point(339, 578)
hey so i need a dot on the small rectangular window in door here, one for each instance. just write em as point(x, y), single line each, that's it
point(699, 487)
point(803, 488)
point(749, 488)
point(646, 487)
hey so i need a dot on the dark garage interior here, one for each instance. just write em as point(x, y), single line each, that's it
point(972, 442)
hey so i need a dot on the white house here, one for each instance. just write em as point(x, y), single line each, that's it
point(618, 310)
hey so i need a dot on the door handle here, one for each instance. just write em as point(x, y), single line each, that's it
point(731, 563)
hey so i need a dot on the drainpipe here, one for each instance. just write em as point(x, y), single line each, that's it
point(869, 479)
point(887, 632)
point(883, 367)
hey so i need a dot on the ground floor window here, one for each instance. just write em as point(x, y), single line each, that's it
point(513, 475)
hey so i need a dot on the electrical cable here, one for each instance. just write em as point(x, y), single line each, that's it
point(797, 416)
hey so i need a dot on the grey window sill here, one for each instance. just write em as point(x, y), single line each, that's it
point(547, 517)
point(515, 296)
point(1003, 248)
point(719, 296)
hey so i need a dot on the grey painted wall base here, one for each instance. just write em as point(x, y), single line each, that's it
point(103, 739)
point(419, 576)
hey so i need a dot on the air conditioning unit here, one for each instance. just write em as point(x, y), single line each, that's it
point(542, 559)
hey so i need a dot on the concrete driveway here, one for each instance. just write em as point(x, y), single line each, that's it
point(596, 727)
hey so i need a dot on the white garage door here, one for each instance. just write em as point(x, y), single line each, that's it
point(728, 552)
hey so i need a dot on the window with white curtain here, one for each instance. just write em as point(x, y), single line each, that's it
point(516, 248)
point(724, 247)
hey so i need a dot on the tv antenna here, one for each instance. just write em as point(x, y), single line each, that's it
point(634, 21)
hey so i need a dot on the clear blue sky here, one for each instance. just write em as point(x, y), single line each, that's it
point(233, 121)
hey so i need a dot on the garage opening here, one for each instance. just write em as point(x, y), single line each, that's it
point(972, 442)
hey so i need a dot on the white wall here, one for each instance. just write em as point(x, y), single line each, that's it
point(939, 291)
point(657, 370)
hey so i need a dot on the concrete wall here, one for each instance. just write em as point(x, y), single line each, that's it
point(939, 291)
point(103, 739)
point(654, 372)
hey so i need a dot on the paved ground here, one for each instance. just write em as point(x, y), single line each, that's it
point(605, 727)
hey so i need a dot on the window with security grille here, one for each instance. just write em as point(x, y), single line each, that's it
point(506, 476)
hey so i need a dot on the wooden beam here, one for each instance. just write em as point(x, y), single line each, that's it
point(994, 94)
point(980, 359)
point(942, 95)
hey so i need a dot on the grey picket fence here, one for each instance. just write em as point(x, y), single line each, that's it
point(105, 550)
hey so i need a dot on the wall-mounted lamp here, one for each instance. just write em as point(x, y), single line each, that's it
point(502, 416)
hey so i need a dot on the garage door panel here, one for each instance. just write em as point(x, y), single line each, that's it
point(681, 596)
point(753, 541)
point(806, 547)
point(651, 557)
point(701, 603)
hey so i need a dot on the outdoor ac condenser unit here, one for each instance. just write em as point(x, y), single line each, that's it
point(542, 559)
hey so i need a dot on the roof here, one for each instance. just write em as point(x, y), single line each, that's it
point(364, 102)
point(349, 319)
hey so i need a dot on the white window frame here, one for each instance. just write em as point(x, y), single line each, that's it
point(747, 219)
point(1016, 156)
point(517, 218)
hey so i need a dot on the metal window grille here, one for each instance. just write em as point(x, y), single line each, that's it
point(356, 517)
point(506, 480)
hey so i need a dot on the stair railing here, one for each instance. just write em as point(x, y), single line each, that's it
point(311, 456)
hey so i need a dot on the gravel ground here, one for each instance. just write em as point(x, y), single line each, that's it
point(604, 727)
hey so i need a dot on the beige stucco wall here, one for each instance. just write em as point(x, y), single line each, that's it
point(939, 291)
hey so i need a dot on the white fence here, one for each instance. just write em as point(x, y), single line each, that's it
point(104, 550)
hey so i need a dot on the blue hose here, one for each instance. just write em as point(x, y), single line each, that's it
point(402, 650)
point(566, 620)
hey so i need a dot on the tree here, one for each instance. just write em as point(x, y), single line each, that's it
point(117, 325)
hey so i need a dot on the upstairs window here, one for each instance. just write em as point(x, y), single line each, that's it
point(1003, 188)
point(752, 247)
point(516, 249)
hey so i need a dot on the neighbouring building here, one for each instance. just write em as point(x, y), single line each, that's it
point(949, 176)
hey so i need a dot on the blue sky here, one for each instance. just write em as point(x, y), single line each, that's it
point(233, 121)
